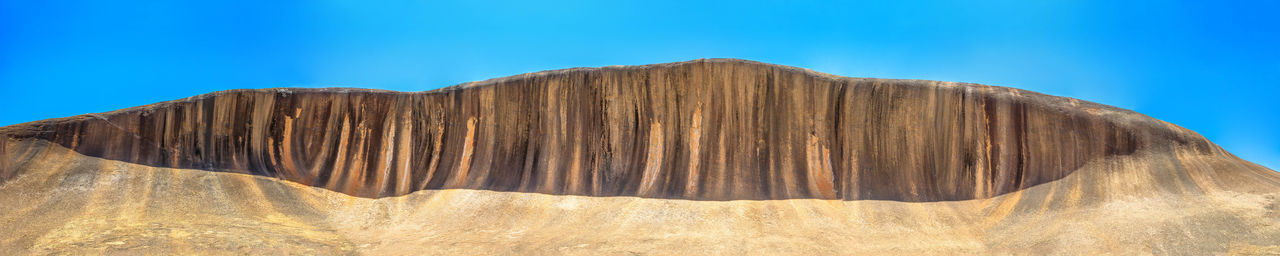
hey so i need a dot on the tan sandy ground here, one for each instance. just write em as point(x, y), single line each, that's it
point(67, 203)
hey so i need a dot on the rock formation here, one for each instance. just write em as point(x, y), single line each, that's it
point(706, 131)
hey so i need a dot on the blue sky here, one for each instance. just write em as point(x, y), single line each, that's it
point(1210, 66)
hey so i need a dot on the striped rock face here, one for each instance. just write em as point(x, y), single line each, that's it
point(975, 166)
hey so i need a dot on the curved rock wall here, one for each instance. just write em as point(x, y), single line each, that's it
point(706, 130)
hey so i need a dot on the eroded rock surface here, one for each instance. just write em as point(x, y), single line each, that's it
point(707, 157)
point(707, 129)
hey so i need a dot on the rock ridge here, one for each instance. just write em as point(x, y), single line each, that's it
point(710, 129)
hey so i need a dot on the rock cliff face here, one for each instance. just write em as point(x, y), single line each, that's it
point(955, 168)
point(705, 130)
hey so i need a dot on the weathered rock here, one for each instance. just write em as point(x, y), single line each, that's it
point(955, 168)
point(707, 129)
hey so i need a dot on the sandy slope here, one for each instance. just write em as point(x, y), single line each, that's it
point(64, 202)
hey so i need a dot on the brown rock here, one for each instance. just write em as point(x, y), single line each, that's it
point(705, 130)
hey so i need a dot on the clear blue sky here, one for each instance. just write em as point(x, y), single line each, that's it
point(1211, 66)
